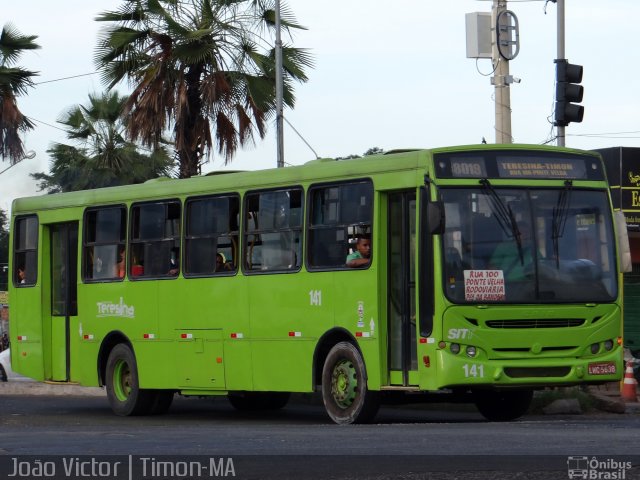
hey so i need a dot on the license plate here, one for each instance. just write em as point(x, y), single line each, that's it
point(602, 368)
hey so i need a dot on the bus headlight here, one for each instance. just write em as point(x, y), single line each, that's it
point(595, 348)
point(608, 345)
point(471, 351)
point(455, 348)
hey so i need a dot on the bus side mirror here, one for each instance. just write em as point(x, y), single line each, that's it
point(624, 251)
point(435, 217)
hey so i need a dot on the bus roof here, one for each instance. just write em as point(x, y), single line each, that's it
point(312, 171)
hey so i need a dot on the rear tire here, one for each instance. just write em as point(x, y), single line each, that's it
point(123, 390)
point(503, 405)
point(344, 386)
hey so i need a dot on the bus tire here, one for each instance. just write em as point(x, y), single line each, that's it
point(252, 401)
point(3, 375)
point(344, 386)
point(503, 405)
point(123, 391)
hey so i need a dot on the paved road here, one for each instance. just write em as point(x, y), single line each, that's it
point(300, 441)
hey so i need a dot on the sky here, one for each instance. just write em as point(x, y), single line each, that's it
point(387, 75)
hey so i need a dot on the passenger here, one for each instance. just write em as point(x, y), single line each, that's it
point(362, 256)
point(221, 263)
point(121, 264)
point(22, 275)
point(516, 262)
point(174, 265)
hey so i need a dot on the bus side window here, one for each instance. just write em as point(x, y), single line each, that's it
point(273, 229)
point(25, 253)
point(211, 229)
point(103, 249)
point(339, 214)
point(155, 239)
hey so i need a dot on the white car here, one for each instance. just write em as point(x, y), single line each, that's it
point(5, 366)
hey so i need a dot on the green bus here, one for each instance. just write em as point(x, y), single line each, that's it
point(238, 284)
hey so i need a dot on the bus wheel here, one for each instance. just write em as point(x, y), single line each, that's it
point(250, 401)
point(3, 375)
point(344, 386)
point(123, 391)
point(503, 406)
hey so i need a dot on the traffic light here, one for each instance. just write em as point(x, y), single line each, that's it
point(568, 77)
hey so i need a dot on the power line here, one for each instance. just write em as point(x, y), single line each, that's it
point(65, 78)
point(47, 124)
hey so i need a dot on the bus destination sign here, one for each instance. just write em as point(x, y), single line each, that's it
point(518, 164)
point(523, 167)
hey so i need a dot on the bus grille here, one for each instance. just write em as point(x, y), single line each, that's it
point(536, 323)
point(537, 372)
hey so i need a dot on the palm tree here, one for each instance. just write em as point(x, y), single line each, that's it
point(14, 81)
point(198, 64)
point(103, 157)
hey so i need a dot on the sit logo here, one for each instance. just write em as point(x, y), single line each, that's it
point(592, 468)
point(459, 334)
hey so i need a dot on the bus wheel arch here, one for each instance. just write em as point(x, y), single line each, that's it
point(345, 393)
point(110, 341)
point(328, 340)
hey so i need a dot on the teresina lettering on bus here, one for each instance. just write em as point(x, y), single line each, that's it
point(110, 309)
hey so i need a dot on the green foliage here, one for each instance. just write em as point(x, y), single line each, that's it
point(14, 81)
point(102, 156)
point(371, 151)
point(198, 66)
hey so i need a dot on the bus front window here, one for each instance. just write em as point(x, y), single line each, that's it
point(526, 246)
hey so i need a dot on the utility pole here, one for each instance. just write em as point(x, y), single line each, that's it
point(501, 78)
point(560, 55)
point(279, 86)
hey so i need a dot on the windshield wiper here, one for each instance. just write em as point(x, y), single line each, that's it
point(501, 212)
point(504, 215)
point(560, 215)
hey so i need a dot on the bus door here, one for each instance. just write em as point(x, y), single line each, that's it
point(401, 281)
point(64, 304)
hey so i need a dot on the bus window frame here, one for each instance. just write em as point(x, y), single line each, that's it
point(84, 265)
point(30, 279)
point(346, 226)
point(245, 234)
point(184, 236)
point(131, 242)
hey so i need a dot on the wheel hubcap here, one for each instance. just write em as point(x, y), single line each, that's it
point(344, 384)
point(122, 381)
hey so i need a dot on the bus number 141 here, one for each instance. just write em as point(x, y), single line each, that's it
point(473, 370)
point(315, 297)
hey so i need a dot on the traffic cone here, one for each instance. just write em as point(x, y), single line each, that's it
point(629, 384)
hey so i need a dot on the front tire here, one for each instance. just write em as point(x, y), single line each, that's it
point(123, 390)
point(504, 405)
point(344, 386)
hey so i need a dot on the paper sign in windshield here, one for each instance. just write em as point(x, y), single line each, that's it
point(483, 285)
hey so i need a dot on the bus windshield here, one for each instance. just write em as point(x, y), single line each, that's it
point(528, 245)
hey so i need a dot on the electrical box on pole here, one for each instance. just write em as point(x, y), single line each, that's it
point(568, 90)
point(478, 29)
